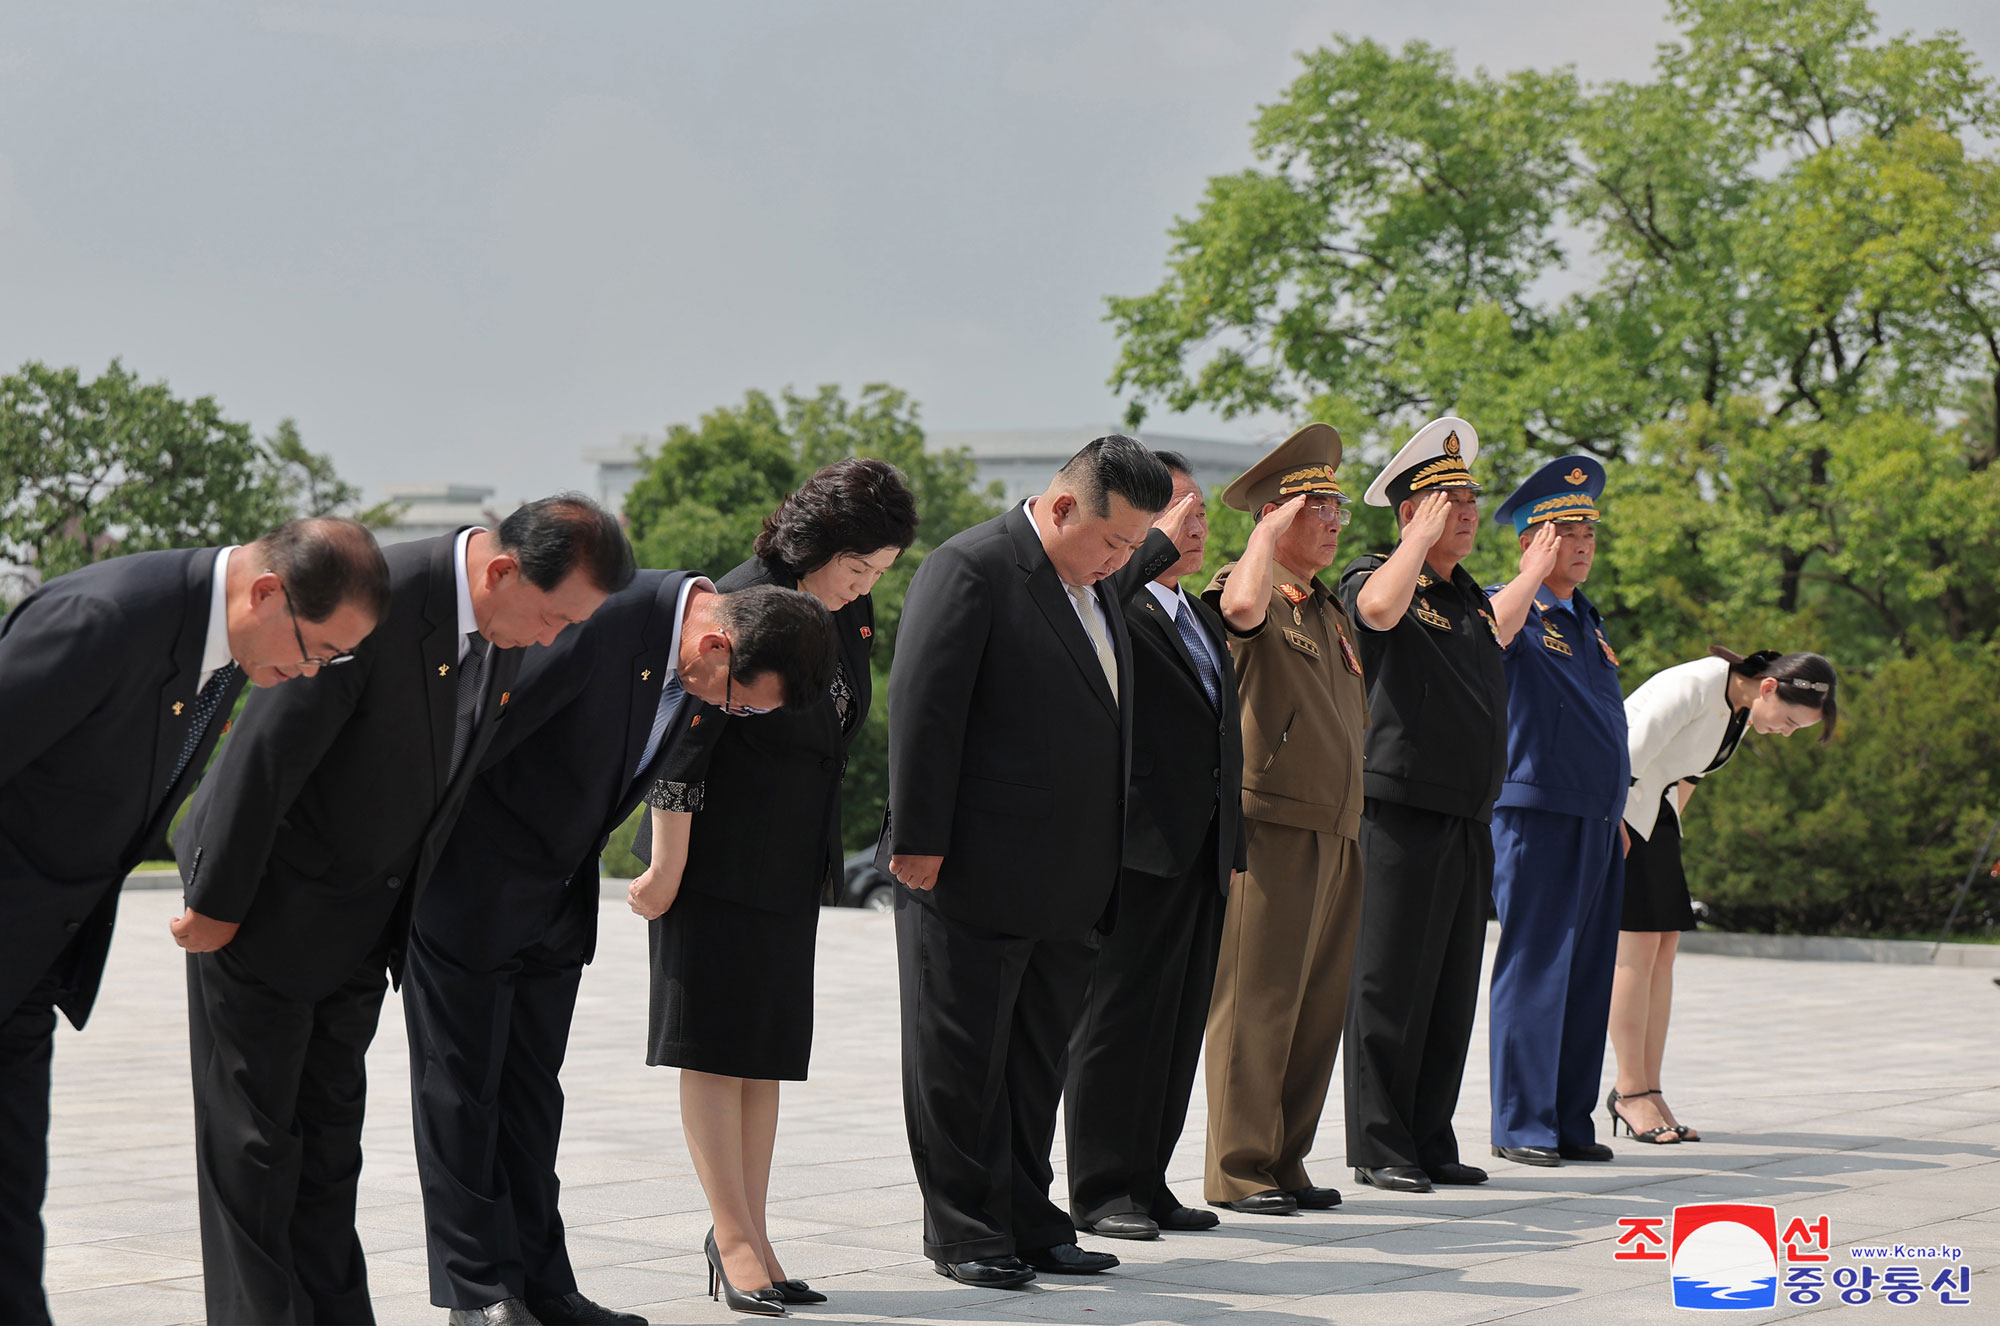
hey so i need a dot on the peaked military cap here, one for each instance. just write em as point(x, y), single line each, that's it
point(1302, 463)
point(1439, 456)
point(1565, 489)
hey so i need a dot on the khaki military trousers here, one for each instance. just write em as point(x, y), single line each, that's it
point(1280, 1001)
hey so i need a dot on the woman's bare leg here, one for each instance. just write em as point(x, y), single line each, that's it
point(712, 1116)
point(1660, 1005)
point(760, 1136)
point(1632, 984)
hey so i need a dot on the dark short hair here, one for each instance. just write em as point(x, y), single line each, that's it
point(1806, 680)
point(856, 505)
point(1122, 465)
point(782, 631)
point(326, 561)
point(554, 536)
point(1174, 461)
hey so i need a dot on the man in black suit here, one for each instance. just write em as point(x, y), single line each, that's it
point(509, 919)
point(1133, 1056)
point(302, 856)
point(1009, 756)
point(115, 682)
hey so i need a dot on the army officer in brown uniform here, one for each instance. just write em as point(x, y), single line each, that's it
point(1288, 935)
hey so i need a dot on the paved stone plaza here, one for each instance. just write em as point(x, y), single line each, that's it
point(1866, 1093)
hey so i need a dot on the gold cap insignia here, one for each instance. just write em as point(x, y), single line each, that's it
point(1451, 444)
point(1576, 475)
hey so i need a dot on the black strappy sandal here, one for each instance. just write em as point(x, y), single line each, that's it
point(1664, 1135)
point(1688, 1134)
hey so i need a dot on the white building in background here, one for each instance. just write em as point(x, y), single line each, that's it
point(1020, 460)
point(437, 508)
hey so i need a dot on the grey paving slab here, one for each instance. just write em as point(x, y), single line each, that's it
point(1868, 1092)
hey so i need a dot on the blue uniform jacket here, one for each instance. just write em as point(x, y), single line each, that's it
point(1566, 749)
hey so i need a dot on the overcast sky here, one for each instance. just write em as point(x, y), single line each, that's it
point(467, 241)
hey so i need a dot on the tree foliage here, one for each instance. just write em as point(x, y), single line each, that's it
point(92, 469)
point(704, 495)
point(1763, 284)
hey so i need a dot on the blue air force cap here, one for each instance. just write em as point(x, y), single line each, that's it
point(1565, 489)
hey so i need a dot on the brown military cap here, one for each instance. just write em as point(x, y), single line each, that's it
point(1302, 463)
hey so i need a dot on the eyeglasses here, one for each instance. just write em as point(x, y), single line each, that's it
point(306, 659)
point(1329, 512)
point(728, 689)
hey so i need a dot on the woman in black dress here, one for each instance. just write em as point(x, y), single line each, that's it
point(1683, 725)
point(732, 957)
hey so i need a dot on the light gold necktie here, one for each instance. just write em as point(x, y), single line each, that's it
point(1094, 628)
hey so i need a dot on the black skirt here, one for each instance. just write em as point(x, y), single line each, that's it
point(1656, 888)
point(732, 989)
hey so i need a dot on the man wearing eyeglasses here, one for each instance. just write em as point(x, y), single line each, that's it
point(115, 683)
point(1288, 933)
point(302, 857)
point(604, 715)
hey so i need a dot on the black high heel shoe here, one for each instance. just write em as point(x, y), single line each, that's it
point(1688, 1134)
point(797, 1291)
point(1664, 1135)
point(758, 1302)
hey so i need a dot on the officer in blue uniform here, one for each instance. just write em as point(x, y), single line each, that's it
point(1559, 861)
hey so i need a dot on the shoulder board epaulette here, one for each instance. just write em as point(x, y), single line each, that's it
point(1293, 594)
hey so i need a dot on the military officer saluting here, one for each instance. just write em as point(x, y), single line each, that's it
point(1436, 751)
point(1288, 934)
point(1559, 860)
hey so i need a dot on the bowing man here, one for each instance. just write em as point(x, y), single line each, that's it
point(1132, 1058)
point(1558, 856)
point(1009, 756)
point(509, 919)
point(115, 682)
point(304, 855)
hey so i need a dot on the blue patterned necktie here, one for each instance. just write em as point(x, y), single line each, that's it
point(1197, 648)
point(205, 705)
point(670, 703)
point(471, 680)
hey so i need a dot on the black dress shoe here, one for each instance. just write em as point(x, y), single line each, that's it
point(1124, 1225)
point(1393, 1178)
point(1269, 1202)
point(797, 1291)
point(1584, 1151)
point(507, 1312)
point(573, 1309)
point(1545, 1156)
point(1068, 1259)
point(992, 1273)
point(1186, 1220)
point(1457, 1175)
point(1316, 1199)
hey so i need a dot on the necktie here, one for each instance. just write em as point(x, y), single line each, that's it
point(670, 702)
point(205, 705)
point(471, 680)
point(1197, 648)
point(1094, 628)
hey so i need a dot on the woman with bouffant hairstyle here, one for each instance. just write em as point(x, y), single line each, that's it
point(1683, 725)
point(732, 956)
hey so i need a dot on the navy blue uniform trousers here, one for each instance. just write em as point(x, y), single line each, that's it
point(1559, 886)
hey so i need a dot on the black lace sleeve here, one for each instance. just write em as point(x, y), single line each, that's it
point(684, 797)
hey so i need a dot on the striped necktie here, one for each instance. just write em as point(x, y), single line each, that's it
point(471, 680)
point(205, 705)
point(1197, 648)
point(670, 703)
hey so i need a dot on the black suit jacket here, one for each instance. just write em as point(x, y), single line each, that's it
point(98, 673)
point(769, 827)
point(521, 863)
point(1186, 757)
point(1008, 754)
point(328, 806)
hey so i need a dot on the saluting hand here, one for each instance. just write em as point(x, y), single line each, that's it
point(1173, 521)
point(918, 872)
point(201, 934)
point(652, 893)
point(1427, 525)
point(1538, 559)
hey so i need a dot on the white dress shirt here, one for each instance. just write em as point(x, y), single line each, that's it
point(1091, 630)
point(467, 623)
point(216, 651)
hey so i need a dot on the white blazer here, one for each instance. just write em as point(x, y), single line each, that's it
point(1674, 724)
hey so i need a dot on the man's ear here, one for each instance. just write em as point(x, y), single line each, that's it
point(1063, 507)
point(1266, 509)
point(500, 568)
point(266, 586)
point(1406, 511)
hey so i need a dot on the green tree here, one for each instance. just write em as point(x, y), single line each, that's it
point(704, 495)
point(1763, 284)
point(92, 469)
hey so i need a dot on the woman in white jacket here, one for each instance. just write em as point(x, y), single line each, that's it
point(1684, 723)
